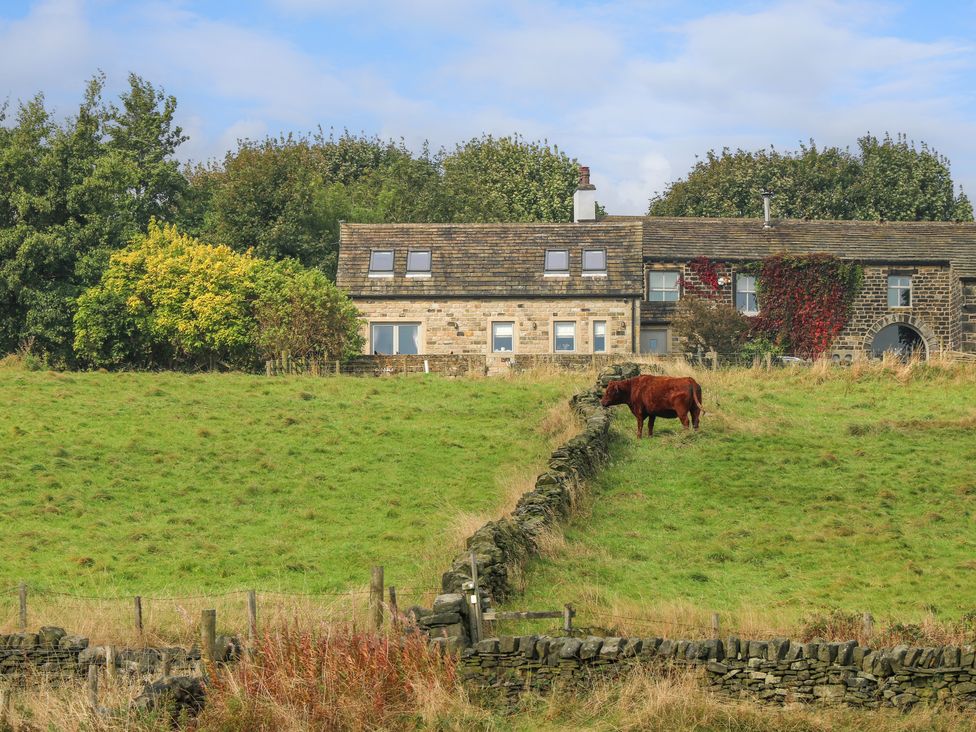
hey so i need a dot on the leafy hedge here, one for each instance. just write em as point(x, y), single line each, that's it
point(168, 300)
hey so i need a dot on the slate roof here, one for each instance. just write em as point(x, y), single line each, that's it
point(668, 238)
point(491, 260)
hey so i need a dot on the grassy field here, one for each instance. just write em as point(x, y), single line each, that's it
point(804, 491)
point(143, 482)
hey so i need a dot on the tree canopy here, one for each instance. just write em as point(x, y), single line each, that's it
point(72, 192)
point(885, 179)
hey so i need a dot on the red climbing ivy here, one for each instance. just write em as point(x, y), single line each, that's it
point(707, 273)
point(804, 300)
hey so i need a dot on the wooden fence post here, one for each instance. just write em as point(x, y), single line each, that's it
point(769, 361)
point(568, 619)
point(716, 628)
point(23, 605)
point(166, 664)
point(208, 636)
point(376, 598)
point(111, 671)
point(137, 606)
point(91, 688)
point(713, 356)
point(868, 625)
point(252, 617)
point(337, 367)
point(474, 603)
point(5, 707)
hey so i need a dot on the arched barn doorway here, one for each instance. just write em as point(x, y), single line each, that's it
point(901, 339)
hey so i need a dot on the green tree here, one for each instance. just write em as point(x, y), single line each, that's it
point(284, 197)
point(509, 179)
point(70, 194)
point(888, 178)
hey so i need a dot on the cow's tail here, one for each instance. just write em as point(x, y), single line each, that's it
point(696, 395)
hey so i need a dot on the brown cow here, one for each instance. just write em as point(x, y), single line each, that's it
point(657, 396)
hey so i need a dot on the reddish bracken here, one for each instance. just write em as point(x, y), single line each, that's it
point(328, 678)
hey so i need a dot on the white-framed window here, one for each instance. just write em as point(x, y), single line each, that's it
point(381, 263)
point(594, 262)
point(392, 339)
point(503, 337)
point(564, 336)
point(418, 263)
point(662, 286)
point(899, 291)
point(745, 294)
point(599, 336)
point(557, 262)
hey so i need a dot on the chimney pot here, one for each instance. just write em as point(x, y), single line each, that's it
point(584, 200)
point(766, 196)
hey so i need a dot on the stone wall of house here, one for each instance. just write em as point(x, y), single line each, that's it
point(967, 319)
point(937, 310)
point(464, 326)
point(770, 672)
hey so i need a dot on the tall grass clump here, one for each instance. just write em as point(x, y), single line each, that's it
point(335, 678)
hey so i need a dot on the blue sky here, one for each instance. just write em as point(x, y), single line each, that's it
point(634, 89)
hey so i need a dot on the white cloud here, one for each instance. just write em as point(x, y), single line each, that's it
point(630, 96)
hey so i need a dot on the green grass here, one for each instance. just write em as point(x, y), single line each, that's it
point(137, 481)
point(803, 491)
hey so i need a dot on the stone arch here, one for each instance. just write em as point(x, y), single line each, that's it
point(929, 339)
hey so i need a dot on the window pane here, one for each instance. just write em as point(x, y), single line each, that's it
point(557, 260)
point(751, 302)
point(408, 340)
point(503, 337)
point(665, 284)
point(594, 260)
point(741, 301)
point(906, 297)
point(381, 261)
point(418, 261)
point(382, 340)
point(565, 337)
point(599, 336)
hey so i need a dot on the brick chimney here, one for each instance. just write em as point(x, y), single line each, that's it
point(584, 200)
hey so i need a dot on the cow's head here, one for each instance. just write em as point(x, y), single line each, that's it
point(618, 392)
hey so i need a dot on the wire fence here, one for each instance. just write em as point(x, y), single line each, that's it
point(167, 618)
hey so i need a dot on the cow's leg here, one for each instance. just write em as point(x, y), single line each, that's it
point(650, 425)
point(683, 416)
point(640, 424)
point(695, 415)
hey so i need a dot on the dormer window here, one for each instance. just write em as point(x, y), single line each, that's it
point(381, 263)
point(418, 263)
point(594, 262)
point(557, 263)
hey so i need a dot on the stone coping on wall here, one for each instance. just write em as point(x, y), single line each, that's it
point(773, 671)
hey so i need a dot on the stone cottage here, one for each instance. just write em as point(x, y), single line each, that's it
point(612, 285)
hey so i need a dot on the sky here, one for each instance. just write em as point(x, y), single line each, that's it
point(635, 89)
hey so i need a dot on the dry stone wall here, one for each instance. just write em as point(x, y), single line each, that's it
point(767, 671)
point(53, 650)
point(499, 546)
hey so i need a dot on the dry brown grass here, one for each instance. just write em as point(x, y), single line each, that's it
point(670, 702)
point(62, 705)
point(177, 621)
